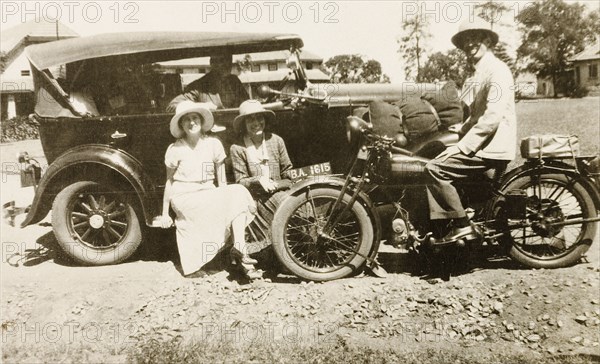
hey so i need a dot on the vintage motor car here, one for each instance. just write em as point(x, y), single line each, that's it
point(100, 105)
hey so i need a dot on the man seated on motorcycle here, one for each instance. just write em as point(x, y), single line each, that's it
point(489, 136)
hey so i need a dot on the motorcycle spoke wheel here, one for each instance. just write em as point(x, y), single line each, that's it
point(305, 249)
point(310, 248)
point(549, 240)
point(549, 202)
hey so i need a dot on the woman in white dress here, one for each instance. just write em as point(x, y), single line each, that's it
point(206, 215)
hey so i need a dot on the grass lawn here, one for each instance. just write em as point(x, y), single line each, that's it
point(176, 351)
point(562, 116)
point(544, 116)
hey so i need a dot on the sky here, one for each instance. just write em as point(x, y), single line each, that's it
point(328, 28)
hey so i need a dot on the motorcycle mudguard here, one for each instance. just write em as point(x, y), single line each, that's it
point(363, 198)
point(552, 166)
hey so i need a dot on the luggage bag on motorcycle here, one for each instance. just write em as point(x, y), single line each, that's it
point(433, 111)
point(550, 146)
point(414, 118)
point(419, 118)
point(447, 104)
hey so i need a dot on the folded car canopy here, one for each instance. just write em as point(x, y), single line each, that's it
point(156, 46)
point(85, 56)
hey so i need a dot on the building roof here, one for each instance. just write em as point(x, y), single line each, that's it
point(313, 75)
point(256, 57)
point(589, 53)
point(41, 30)
point(155, 46)
point(282, 55)
point(14, 39)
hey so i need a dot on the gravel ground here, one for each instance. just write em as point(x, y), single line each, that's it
point(53, 311)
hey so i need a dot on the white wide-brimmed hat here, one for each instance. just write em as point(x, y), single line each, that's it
point(476, 25)
point(186, 107)
point(251, 107)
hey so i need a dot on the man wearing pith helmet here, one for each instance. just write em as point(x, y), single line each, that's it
point(489, 136)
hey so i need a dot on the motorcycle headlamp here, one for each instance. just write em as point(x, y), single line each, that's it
point(357, 123)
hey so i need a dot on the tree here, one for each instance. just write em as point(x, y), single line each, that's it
point(491, 11)
point(412, 44)
point(353, 68)
point(553, 31)
point(244, 64)
point(449, 66)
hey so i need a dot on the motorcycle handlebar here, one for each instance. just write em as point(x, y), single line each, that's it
point(265, 91)
point(401, 151)
point(367, 129)
point(277, 105)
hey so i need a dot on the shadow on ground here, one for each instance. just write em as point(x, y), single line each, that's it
point(450, 262)
point(48, 249)
point(158, 245)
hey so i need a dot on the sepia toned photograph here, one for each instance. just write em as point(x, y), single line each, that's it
point(300, 181)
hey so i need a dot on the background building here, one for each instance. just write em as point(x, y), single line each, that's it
point(16, 93)
point(267, 68)
point(526, 84)
point(17, 97)
point(586, 65)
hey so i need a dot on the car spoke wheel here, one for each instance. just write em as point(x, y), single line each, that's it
point(95, 225)
point(99, 219)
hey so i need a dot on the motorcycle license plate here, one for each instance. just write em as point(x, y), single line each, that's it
point(314, 170)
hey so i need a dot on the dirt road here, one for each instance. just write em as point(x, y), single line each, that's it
point(54, 311)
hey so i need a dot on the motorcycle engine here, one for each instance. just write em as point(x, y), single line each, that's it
point(401, 238)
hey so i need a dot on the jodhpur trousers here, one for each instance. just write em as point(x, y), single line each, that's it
point(443, 198)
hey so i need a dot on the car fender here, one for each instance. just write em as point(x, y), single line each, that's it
point(363, 198)
point(94, 155)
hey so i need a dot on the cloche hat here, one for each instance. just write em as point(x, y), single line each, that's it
point(251, 107)
point(477, 25)
point(186, 107)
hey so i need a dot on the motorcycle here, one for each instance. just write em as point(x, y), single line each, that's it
point(543, 213)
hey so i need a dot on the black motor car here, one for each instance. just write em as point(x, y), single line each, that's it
point(100, 105)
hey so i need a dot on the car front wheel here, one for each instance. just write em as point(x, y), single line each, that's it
point(95, 224)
